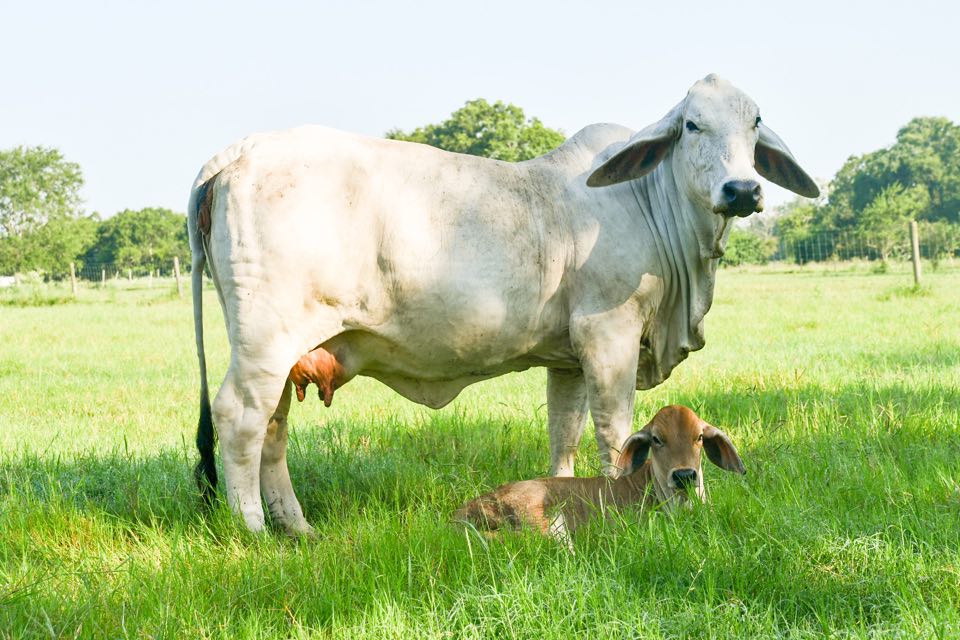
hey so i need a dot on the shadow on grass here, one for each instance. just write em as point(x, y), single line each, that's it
point(341, 468)
point(337, 468)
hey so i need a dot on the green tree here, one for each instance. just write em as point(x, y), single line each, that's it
point(500, 131)
point(148, 238)
point(37, 185)
point(884, 220)
point(42, 225)
point(926, 155)
point(748, 247)
point(49, 249)
point(795, 226)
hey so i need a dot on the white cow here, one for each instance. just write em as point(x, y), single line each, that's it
point(430, 271)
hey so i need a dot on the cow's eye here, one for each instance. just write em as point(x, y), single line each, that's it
point(757, 123)
point(692, 127)
point(700, 438)
point(657, 441)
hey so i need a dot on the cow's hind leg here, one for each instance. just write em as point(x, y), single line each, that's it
point(275, 482)
point(242, 410)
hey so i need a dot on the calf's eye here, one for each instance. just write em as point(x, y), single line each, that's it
point(700, 438)
point(692, 127)
point(657, 441)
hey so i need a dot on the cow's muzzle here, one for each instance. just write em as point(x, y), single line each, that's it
point(739, 198)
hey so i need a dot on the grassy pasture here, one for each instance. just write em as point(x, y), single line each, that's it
point(841, 389)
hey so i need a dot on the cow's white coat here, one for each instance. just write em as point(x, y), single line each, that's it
point(429, 270)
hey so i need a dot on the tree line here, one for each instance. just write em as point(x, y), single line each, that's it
point(864, 211)
point(44, 228)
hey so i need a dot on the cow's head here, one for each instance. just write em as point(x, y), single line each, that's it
point(673, 441)
point(720, 149)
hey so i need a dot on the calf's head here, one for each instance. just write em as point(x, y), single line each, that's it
point(673, 440)
point(720, 148)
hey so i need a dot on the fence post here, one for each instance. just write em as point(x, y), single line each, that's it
point(73, 279)
point(176, 274)
point(129, 275)
point(103, 276)
point(915, 244)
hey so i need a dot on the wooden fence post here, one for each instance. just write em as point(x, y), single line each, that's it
point(103, 276)
point(129, 275)
point(176, 274)
point(73, 279)
point(915, 244)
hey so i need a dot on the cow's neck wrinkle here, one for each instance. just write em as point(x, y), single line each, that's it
point(688, 278)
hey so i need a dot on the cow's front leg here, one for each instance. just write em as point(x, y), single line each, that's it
point(609, 351)
point(566, 417)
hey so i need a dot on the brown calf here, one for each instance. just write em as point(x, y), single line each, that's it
point(671, 476)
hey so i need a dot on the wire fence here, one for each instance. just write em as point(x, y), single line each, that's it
point(102, 272)
point(101, 275)
point(935, 245)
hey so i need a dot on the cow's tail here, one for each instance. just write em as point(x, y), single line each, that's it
point(198, 221)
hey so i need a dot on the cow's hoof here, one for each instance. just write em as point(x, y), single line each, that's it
point(302, 532)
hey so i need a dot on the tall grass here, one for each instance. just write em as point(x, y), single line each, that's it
point(842, 394)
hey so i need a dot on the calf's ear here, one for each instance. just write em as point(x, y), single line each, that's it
point(642, 154)
point(774, 162)
point(634, 452)
point(720, 449)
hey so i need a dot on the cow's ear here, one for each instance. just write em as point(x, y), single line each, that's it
point(634, 452)
point(775, 163)
point(720, 449)
point(642, 154)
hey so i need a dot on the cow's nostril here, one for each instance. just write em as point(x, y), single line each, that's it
point(729, 192)
point(685, 477)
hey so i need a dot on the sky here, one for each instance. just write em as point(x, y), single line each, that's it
point(142, 94)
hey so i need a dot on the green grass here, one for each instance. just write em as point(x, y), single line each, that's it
point(841, 389)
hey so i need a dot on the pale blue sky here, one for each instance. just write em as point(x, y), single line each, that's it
point(141, 94)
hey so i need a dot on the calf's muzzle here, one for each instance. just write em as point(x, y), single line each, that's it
point(685, 478)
